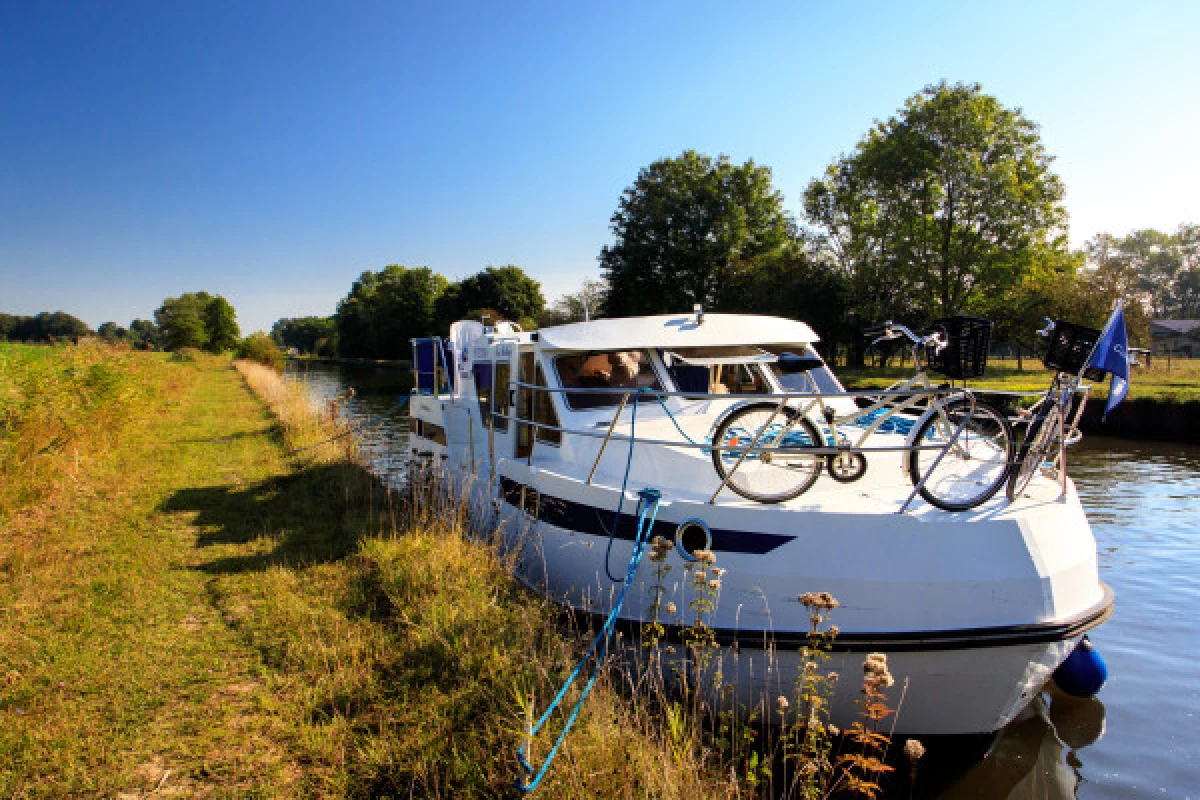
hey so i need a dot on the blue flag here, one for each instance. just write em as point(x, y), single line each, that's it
point(1112, 356)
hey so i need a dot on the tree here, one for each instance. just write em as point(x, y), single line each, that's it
point(385, 309)
point(112, 332)
point(143, 334)
point(507, 289)
point(944, 204)
point(799, 284)
point(686, 228)
point(8, 324)
point(307, 334)
point(586, 303)
point(47, 326)
point(220, 324)
point(197, 319)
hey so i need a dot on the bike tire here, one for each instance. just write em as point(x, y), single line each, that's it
point(764, 476)
point(1041, 437)
point(975, 468)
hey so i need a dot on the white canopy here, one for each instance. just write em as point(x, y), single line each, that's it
point(676, 330)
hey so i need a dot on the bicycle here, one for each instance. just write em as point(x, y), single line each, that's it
point(959, 448)
point(1068, 351)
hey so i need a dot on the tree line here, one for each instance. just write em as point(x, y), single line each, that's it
point(385, 309)
point(194, 319)
point(948, 207)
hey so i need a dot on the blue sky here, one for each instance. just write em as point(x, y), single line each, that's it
point(272, 151)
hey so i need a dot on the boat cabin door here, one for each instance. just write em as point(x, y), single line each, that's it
point(525, 400)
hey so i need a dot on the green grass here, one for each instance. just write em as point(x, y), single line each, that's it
point(192, 611)
point(1180, 383)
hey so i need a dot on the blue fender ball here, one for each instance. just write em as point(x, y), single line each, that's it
point(1084, 671)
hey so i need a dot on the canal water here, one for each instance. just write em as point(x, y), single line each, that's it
point(1140, 738)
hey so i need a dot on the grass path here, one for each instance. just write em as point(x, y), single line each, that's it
point(186, 610)
point(121, 671)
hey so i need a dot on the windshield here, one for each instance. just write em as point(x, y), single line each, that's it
point(815, 381)
point(618, 369)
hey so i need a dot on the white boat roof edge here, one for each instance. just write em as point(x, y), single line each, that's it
point(675, 330)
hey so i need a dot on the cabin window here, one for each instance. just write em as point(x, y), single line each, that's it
point(543, 411)
point(717, 370)
point(485, 389)
point(623, 370)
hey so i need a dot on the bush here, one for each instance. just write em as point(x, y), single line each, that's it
point(261, 348)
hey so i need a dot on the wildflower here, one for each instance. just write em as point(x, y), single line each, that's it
point(832, 677)
point(670, 650)
point(834, 730)
point(719, 571)
point(781, 702)
point(656, 555)
point(715, 585)
point(834, 630)
point(670, 609)
point(700, 576)
point(811, 666)
point(914, 750)
point(875, 670)
point(706, 557)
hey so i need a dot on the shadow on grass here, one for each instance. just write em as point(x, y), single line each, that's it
point(315, 514)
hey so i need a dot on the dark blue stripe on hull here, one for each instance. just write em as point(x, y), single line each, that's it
point(584, 518)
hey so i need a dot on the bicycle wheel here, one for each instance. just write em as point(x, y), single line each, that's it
point(974, 467)
point(765, 474)
point(1040, 440)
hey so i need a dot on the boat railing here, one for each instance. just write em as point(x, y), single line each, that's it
point(910, 398)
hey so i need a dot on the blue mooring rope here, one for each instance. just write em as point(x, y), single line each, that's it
point(647, 512)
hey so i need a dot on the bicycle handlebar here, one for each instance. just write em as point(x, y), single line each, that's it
point(890, 330)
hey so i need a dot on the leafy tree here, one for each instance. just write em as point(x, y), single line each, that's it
point(143, 334)
point(307, 334)
point(945, 203)
point(112, 332)
point(385, 309)
point(9, 323)
point(180, 321)
point(586, 303)
point(261, 348)
point(197, 319)
point(220, 324)
point(47, 326)
point(1159, 268)
point(506, 289)
point(686, 228)
point(801, 285)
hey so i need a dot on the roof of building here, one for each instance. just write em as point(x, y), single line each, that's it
point(1174, 326)
point(676, 330)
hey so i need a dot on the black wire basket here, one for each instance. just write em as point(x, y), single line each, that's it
point(966, 351)
point(1069, 347)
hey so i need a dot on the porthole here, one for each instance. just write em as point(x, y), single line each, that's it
point(691, 536)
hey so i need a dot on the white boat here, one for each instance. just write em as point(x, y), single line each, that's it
point(558, 428)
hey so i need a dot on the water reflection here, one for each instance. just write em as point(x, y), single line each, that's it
point(1141, 499)
point(372, 407)
point(1037, 757)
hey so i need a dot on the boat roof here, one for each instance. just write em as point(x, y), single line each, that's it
point(676, 330)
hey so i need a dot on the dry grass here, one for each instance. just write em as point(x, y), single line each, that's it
point(195, 612)
point(59, 407)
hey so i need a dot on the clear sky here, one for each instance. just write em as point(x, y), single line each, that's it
point(272, 151)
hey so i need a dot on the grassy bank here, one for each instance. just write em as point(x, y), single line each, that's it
point(1178, 383)
point(193, 612)
point(191, 607)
